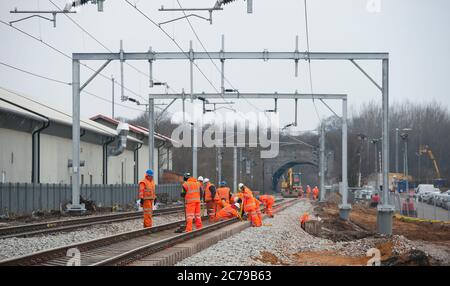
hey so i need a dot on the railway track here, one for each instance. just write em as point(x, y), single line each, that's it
point(123, 248)
point(76, 223)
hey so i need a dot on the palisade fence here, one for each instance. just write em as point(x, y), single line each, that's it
point(19, 199)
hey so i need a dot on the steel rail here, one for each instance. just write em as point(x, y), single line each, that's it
point(146, 250)
point(70, 224)
point(111, 246)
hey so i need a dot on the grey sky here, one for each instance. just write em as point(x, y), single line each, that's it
point(414, 32)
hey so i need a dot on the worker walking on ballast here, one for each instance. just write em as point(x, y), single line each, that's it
point(315, 193)
point(191, 192)
point(147, 196)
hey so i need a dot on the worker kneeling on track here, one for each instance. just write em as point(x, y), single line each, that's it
point(211, 199)
point(229, 211)
point(250, 205)
point(192, 193)
point(268, 202)
point(147, 196)
point(223, 193)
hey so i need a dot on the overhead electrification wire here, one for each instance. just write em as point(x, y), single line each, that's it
point(103, 45)
point(62, 53)
point(204, 48)
point(309, 60)
point(173, 40)
point(309, 66)
point(64, 83)
point(35, 75)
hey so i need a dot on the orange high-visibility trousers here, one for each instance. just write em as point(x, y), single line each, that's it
point(259, 214)
point(193, 213)
point(211, 210)
point(268, 209)
point(148, 213)
point(254, 218)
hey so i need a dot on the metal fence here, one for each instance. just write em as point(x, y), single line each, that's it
point(429, 208)
point(19, 199)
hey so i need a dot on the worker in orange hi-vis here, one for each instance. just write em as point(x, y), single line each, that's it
point(192, 197)
point(315, 193)
point(249, 205)
point(304, 218)
point(308, 192)
point(258, 209)
point(147, 195)
point(268, 202)
point(223, 193)
point(210, 198)
point(229, 211)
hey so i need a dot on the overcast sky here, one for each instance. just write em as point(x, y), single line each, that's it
point(414, 32)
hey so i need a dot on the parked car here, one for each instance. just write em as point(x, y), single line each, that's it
point(423, 190)
point(430, 197)
point(442, 199)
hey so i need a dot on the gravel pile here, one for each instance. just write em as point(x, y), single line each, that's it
point(11, 247)
point(280, 239)
point(400, 245)
point(281, 236)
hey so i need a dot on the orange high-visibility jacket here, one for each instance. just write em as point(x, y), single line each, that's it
point(267, 199)
point(316, 191)
point(147, 189)
point(224, 193)
point(249, 204)
point(192, 189)
point(208, 193)
point(228, 212)
point(258, 204)
point(247, 191)
point(223, 204)
point(304, 218)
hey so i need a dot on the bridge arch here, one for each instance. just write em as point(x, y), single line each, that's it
point(284, 167)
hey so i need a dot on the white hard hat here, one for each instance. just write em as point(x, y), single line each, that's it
point(237, 205)
point(241, 185)
point(206, 180)
point(200, 178)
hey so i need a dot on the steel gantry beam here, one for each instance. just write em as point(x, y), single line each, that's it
point(251, 96)
point(264, 55)
point(385, 210)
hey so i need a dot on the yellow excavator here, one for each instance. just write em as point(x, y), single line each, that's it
point(290, 187)
point(439, 182)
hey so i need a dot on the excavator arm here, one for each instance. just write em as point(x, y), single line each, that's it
point(427, 150)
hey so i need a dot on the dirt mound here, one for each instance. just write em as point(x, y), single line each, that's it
point(412, 258)
point(269, 258)
point(363, 220)
point(329, 258)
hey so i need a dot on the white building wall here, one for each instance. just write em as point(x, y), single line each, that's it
point(55, 155)
point(15, 156)
point(120, 168)
point(16, 153)
point(143, 163)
